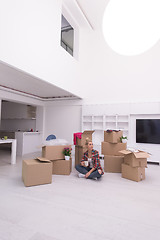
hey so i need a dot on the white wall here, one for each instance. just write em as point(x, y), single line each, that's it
point(30, 33)
point(30, 40)
point(115, 78)
point(62, 119)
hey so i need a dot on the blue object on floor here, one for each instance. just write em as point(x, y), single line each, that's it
point(50, 137)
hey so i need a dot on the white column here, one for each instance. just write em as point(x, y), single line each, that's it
point(13, 151)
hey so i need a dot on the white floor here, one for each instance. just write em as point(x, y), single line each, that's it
point(75, 208)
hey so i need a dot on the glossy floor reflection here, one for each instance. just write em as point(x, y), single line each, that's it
point(75, 208)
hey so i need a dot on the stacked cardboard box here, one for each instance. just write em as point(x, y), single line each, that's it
point(60, 166)
point(134, 165)
point(54, 152)
point(111, 148)
point(80, 147)
point(79, 151)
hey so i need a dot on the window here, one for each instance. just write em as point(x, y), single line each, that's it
point(67, 36)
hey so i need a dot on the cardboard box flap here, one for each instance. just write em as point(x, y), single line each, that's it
point(41, 159)
point(88, 132)
point(125, 152)
point(137, 154)
point(141, 154)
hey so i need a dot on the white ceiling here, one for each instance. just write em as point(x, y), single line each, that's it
point(14, 79)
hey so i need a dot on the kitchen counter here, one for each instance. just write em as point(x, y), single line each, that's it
point(21, 132)
point(28, 142)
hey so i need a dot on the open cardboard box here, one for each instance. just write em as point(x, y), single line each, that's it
point(85, 134)
point(135, 159)
point(36, 171)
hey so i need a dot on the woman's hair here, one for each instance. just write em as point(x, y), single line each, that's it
point(87, 141)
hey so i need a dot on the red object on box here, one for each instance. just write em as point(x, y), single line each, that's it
point(77, 135)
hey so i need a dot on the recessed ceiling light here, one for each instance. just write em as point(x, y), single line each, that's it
point(131, 27)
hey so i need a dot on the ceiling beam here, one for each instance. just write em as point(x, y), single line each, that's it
point(83, 14)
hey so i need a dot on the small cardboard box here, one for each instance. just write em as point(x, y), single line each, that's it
point(79, 151)
point(133, 173)
point(36, 171)
point(113, 163)
point(54, 152)
point(85, 134)
point(135, 159)
point(112, 137)
point(62, 167)
point(112, 148)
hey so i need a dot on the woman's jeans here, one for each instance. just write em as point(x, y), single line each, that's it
point(85, 170)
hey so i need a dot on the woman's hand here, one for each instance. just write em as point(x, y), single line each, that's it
point(87, 174)
point(82, 164)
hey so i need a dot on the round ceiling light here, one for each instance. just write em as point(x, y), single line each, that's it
point(131, 27)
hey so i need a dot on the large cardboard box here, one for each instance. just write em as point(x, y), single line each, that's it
point(54, 152)
point(133, 173)
point(113, 163)
point(79, 151)
point(135, 159)
point(36, 171)
point(112, 148)
point(112, 137)
point(62, 167)
point(85, 134)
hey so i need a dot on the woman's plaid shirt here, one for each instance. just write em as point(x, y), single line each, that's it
point(95, 159)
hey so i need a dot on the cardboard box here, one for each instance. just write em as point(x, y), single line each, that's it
point(36, 171)
point(135, 159)
point(112, 148)
point(112, 137)
point(54, 152)
point(62, 167)
point(133, 173)
point(85, 134)
point(113, 163)
point(79, 151)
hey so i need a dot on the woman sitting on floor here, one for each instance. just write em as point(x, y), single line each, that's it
point(90, 166)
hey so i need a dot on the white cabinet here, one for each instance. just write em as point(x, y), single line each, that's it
point(110, 122)
point(12, 110)
point(87, 122)
point(123, 124)
point(104, 122)
point(100, 123)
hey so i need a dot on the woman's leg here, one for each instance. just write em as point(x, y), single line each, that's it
point(82, 169)
point(94, 174)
